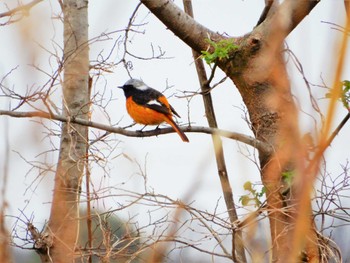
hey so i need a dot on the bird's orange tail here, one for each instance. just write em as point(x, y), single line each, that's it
point(177, 129)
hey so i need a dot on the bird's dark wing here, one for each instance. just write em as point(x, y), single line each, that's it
point(174, 111)
point(157, 106)
point(154, 100)
point(150, 99)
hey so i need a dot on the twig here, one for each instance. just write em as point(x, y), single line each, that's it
point(23, 8)
point(337, 130)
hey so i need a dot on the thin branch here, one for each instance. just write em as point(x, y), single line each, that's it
point(261, 146)
point(337, 130)
point(87, 187)
point(23, 9)
point(347, 7)
point(5, 256)
point(268, 4)
point(181, 24)
point(199, 217)
point(284, 18)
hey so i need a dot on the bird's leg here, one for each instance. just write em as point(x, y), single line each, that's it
point(142, 128)
point(133, 124)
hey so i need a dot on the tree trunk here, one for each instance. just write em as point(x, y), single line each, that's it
point(62, 227)
point(258, 70)
point(5, 251)
point(264, 86)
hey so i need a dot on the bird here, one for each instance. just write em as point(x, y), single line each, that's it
point(148, 106)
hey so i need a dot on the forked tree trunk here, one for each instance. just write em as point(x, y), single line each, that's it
point(258, 70)
point(62, 228)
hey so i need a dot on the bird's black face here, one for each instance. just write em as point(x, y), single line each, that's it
point(129, 90)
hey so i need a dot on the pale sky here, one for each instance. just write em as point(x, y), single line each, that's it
point(173, 168)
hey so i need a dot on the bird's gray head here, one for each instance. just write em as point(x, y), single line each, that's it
point(136, 83)
point(133, 84)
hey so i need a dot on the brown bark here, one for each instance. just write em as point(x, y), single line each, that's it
point(63, 223)
point(5, 254)
point(258, 70)
point(181, 24)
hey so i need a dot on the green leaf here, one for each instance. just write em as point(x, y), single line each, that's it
point(346, 84)
point(288, 177)
point(253, 195)
point(262, 192)
point(248, 186)
point(222, 50)
point(244, 200)
point(345, 94)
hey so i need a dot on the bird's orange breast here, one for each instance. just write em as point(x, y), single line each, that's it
point(144, 115)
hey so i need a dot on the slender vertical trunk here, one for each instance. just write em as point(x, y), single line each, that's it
point(238, 250)
point(63, 223)
point(5, 254)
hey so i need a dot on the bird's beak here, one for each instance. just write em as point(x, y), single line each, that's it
point(120, 87)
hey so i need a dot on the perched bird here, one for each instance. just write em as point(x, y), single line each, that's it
point(148, 106)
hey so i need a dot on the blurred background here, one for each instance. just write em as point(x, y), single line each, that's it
point(123, 167)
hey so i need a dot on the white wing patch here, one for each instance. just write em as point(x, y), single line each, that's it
point(154, 102)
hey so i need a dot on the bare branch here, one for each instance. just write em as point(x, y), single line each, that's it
point(337, 130)
point(181, 24)
point(347, 7)
point(268, 4)
point(286, 17)
point(22, 10)
point(261, 146)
